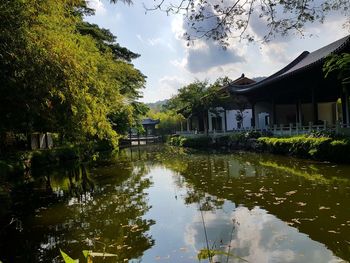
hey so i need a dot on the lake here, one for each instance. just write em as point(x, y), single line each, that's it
point(164, 204)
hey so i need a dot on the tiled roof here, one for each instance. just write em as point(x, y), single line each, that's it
point(150, 121)
point(304, 61)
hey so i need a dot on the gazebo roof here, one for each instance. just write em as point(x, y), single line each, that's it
point(302, 63)
point(149, 121)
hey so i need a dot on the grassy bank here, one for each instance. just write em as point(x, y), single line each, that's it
point(316, 146)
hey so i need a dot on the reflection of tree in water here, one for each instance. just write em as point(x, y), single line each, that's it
point(76, 209)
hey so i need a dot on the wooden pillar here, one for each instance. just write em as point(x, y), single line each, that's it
point(253, 124)
point(314, 106)
point(188, 124)
point(298, 112)
point(274, 119)
point(146, 133)
point(225, 117)
point(46, 141)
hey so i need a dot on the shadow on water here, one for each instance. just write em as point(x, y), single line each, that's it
point(145, 201)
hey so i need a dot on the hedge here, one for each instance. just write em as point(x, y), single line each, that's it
point(322, 148)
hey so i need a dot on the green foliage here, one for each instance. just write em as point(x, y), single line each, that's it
point(340, 65)
point(321, 148)
point(169, 121)
point(198, 142)
point(68, 259)
point(191, 142)
point(323, 133)
point(209, 253)
point(88, 254)
point(176, 141)
point(63, 75)
point(197, 97)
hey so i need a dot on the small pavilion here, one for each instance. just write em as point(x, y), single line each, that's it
point(149, 125)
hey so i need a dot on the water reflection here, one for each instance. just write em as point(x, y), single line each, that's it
point(256, 236)
point(75, 209)
point(146, 205)
point(306, 195)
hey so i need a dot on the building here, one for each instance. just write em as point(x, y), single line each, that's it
point(299, 94)
point(150, 126)
point(236, 116)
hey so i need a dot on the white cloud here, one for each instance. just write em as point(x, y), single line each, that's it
point(166, 87)
point(210, 55)
point(98, 6)
point(169, 86)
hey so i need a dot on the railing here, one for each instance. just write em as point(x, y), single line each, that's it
point(278, 130)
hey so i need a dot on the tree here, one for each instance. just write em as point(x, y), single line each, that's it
point(197, 98)
point(169, 120)
point(61, 74)
point(340, 65)
point(223, 20)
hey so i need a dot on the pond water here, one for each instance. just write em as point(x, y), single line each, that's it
point(160, 204)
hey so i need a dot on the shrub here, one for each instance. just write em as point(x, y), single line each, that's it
point(198, 142)
point(176, 141)
point(323, 133)
point(319, 148)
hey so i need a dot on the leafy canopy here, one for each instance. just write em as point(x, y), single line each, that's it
point(224, 20)
point(64, 75)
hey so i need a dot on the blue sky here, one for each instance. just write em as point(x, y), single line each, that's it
point(169, 63)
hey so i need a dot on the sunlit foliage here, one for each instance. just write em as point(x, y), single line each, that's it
point(63, 75)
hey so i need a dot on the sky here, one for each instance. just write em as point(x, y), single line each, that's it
point(170, 64)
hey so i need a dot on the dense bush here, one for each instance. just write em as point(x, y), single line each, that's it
point(198, 142)
point(44, 157)
point(319, 148)
point(324, 133)
point(314, 146)
point(176, 141)
point(192, 142)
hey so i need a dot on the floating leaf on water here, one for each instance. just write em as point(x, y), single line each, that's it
point(301, 204)
point(280, 198)
point(97, 254)
point(291, 192)
point(324, 208)
point(296, 220)
point(333, 231)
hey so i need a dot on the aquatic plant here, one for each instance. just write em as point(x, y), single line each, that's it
point(89, 255)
